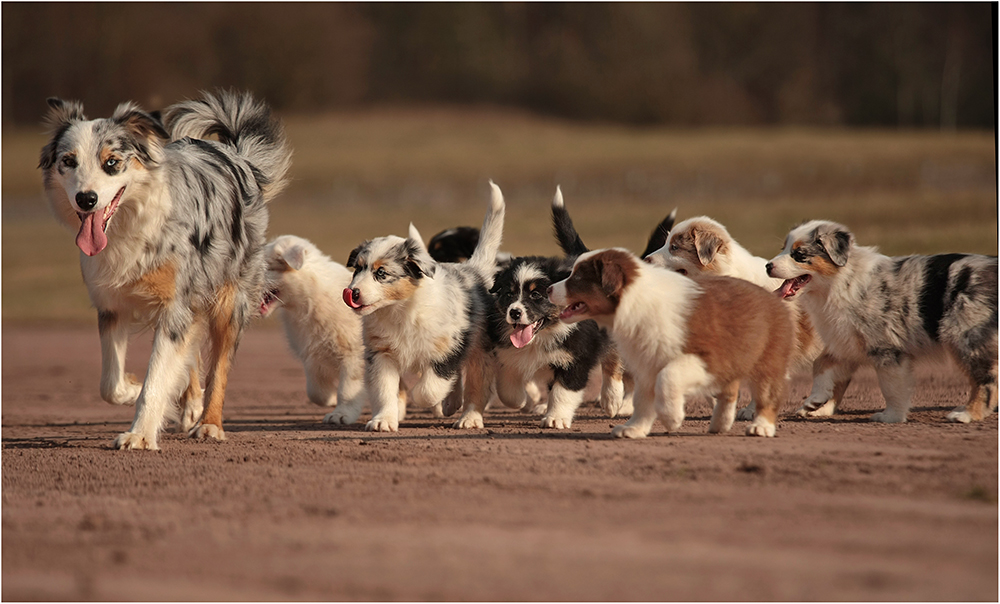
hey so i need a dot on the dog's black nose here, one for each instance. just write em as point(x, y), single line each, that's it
point(86, 200)
point(768, 267)
point(356, 295)
point(515, 313)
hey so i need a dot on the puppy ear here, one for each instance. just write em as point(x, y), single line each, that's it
point(418, 260)
point(147, 130)
point(353, 258)
point(612, 277)
point(294, 256)
point(837, 245)
point(707, 245)
point(61, 116)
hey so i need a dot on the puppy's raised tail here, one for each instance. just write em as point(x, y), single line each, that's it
point(658, 238)
point(569, 240)
point(485, 255)
point(242, 122)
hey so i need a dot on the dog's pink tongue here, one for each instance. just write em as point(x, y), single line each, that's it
point(787, 288)
point(522, 335)
point(91, 239)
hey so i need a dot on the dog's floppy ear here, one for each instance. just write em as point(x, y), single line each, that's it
point(294, 256)
point(837, 245)
point(612, 276)
point(147, 130)
point(707, 244)
point(352, 259)
point(418, 260)
point(61, 116)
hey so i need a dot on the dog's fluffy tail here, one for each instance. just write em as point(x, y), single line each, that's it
point(484, 257)
point(658, 238)
point(569, 240)
point(242, 122)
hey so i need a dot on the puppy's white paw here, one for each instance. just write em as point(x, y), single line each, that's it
point(382, 424)
point(745, 414)
point(341, 416)
point(825, 410)
point(126, 392)
point(889, 417)
point(207, 431)
point(191, 415)
point(960, 415)
point(559, 423)
point(469, 421)
point(627, 431)
point(760, 427)
point(132, 440)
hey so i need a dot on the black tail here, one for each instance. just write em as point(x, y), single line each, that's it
point(569, 240)
point(658, 238)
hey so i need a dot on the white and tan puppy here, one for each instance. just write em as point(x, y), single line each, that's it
point(873, 309)
point(702, 245)
point(680, 336)
point(427, 318)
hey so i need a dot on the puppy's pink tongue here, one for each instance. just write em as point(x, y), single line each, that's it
point(522, 335)
point(91, 239)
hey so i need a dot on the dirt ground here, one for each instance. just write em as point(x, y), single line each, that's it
point(290, 509)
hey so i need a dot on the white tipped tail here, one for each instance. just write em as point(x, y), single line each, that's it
point(557, 201)
point(484, 257)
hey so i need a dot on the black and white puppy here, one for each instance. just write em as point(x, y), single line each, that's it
point(530, 337)
point(872, 309)
point(428, 318)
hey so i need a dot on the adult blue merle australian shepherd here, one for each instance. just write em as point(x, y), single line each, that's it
point(873, 309)
point(170, 227)
point(426, 318)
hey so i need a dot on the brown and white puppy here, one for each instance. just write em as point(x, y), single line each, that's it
point(681, 336)
point(873, 309)
point(703, 245)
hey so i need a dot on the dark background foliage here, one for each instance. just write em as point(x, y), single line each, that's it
point(885, 64)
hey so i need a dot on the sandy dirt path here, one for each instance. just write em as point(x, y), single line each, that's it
point(290, 509)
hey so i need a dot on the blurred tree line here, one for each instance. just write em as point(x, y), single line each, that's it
point(887, 64)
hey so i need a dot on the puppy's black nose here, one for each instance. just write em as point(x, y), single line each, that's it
point(515, 314)
point(356, 295)
point(86, 200)
point(768, 267)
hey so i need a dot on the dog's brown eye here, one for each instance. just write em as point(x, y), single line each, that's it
point(69, 161)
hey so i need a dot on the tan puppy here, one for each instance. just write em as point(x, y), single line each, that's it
point(681, 336)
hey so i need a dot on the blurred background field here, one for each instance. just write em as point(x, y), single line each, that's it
point(879, 116)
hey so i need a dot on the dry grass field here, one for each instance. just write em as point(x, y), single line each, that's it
point(369, 173)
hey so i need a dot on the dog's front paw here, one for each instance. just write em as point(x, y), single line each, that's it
point(760, 427)
point(960, 415)
point(538, 409)
point(341, 417)
point(559, 423)
point(207, 431)
point(811, 410)
point(889, 417)
point(132, 440)
point(190, 416)
point(382, 424)
point(627, 431)
point(747, 413)
point(125, 392)
point(470, 421)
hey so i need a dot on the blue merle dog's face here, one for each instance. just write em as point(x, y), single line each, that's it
point(818, 249)
point(520, 291)
point(386, 270)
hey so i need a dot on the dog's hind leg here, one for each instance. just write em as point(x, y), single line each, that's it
point(193, 400)
point(351, 394)
point(769, 393)
point(724, 413)
point(982, 373)
point(674, 381)
point(165, 380)
point(224, 330)
point(896, 382)
point(612, 385)
point(117, 387)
